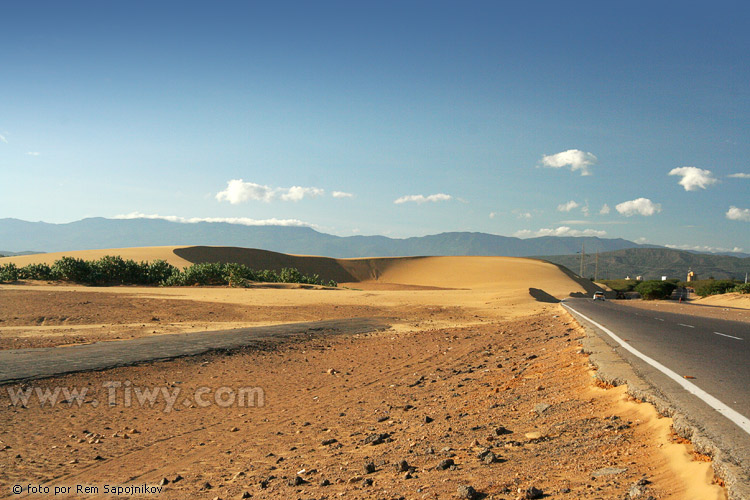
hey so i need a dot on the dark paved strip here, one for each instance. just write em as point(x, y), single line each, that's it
point(688, 346)
point(23, 364)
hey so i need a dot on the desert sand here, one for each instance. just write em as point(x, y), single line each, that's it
point(480, 381)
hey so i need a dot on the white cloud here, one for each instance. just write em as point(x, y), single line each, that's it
point(244, 221)
point(604, 210)
point(559, 231)
point(735, 213)
point(694, 178)
point(239, 191)
point(573, 158)
point(640, 206)
point(33, 153)
point(704, 248)
point(492, 215)
point(342, 194)
point(296, 193)
point(524, 215)
point(739, 175)
point(567, 207)
point(418, 198)
point(3, 139)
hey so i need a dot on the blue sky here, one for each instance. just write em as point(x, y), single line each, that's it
point(396, 118)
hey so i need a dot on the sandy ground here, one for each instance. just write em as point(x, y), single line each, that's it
point(477, 384)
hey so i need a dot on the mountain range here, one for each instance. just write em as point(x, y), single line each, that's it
point(95, 233)
point(653, 263)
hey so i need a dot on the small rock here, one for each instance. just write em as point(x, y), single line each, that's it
point(177, 478)
point(608, 471)
point(501, 430)
point(245, 494)
point(99, 458)
point(354, 479)
point(541, 408)
point(375, 439)
point(383, 418)
point(234, 429)
point(533, 493)
point(403, 466)
point(445, 464)
point(369, 468)
point(297, 481)
point(164, 481)
point(467, 492)
point(638, 489)
point(488, 457)
point(324, 482)
point(327, 442)
point(206, 486)
point(367, 482)
point(428, 419)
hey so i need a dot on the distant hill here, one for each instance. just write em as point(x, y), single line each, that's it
point(653, 263)
point(95, 233)
point(7, 253)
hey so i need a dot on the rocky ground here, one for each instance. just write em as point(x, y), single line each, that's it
point(498, 410)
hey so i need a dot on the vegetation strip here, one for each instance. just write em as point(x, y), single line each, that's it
point(114, 270)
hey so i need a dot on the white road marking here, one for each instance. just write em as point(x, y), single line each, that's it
point(658, 319)
point(737, 418)
point(683, 324)
point(725, 335)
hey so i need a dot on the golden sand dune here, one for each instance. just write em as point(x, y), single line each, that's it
point(135, 253)
point(507, 273)
point(737, 300)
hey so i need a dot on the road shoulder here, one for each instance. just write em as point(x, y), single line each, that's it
point(614, 366)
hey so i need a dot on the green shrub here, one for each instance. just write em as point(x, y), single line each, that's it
point(72, 269)
point(35, 272)
point(8, 273)
point(157, 271)
point(205, 273)
point(621, 285)
point(743, 288)
point(116, 270)
point(655, 289)
point(714, 287)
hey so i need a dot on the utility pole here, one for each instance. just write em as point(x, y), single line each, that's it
point(583, 256)
point(596, 266)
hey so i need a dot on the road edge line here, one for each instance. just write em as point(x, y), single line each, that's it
point(612, 367)
point(734, 416)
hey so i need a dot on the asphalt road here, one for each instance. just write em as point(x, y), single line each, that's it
point(700, 366)
point(715, 352)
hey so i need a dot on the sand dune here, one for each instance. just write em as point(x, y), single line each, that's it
point(738, 300)
point(507, 273)
point(135, 253)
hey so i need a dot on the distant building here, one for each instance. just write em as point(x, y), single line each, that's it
point(639, 278)
point(691, 275)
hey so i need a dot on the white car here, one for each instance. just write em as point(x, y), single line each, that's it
point(599, 296)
